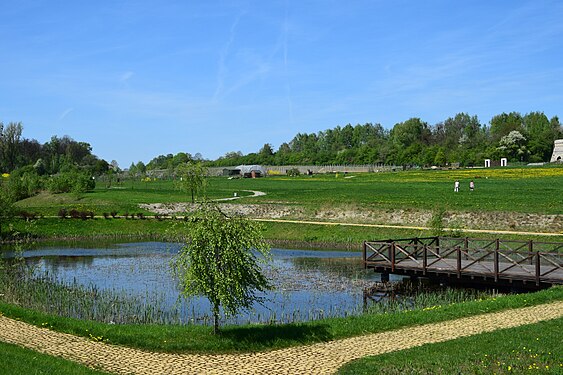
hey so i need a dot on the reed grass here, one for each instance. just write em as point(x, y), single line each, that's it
point(42, 301)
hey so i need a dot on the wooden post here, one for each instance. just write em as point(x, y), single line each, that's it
point(538, 268)
point(364, 247)
point(458, 262)
point(531, 251)
point(437, 245)
point(424, 259)
point(392, 256)
point(497, 246)
point(466, 247)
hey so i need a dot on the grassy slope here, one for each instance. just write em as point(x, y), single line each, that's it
point(265, 337)
point(535, 348)
point(285, 235)
point(509, 190)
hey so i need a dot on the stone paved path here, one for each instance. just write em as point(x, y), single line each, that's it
point(322, 358)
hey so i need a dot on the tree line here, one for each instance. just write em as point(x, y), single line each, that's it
point(60, 165)
point(59, 154)
point(460, 139)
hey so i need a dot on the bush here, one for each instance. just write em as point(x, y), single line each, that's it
point(27, 216)
point(68, 182)
point(23, 183)
point(63, 213)
point(293, 172)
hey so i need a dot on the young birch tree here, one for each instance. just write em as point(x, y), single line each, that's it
point(221, 261)
point(192, 178)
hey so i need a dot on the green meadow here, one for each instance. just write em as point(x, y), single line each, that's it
point(531, 190)
point(527, 190)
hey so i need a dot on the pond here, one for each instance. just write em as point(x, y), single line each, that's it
point(307, 285)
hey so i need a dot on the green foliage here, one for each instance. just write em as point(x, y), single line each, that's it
point(6, 206)
point(10, 145)
point(23, 183)
point(462, 138)
point(436, 223)
point(293, 172)
point(219, 262)
point(191, 177)
point(74, 181)
point(57, 155)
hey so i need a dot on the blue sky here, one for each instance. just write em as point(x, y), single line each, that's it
point(140, 78)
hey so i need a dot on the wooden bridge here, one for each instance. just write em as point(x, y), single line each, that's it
point(498, 262)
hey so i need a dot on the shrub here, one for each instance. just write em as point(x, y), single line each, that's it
point(293, 172)
point(27, 216)
point(63, 213)
point(75, 182)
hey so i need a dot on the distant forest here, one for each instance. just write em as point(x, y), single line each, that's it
point(58, 155)
point(460, 139)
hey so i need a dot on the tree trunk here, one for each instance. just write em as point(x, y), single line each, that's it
point(216, 319)
point(192, 195)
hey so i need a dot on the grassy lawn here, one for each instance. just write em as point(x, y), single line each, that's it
point(509, 190)
point(20, 361)
point(535, 348)
point(193, 338)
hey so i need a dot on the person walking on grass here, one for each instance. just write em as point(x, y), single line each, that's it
point(471, 185)
point(456, 186)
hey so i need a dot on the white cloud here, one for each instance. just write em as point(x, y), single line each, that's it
point(126, 76)
point(65, 113)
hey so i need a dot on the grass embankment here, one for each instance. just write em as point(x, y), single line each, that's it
point(285, 235)
point(535, 348)
point(172, 338)
point(20, 361)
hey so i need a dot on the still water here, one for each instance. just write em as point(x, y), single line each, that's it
point(306, 284)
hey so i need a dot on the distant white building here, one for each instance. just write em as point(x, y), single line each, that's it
point(557, 155)
point(252, 170)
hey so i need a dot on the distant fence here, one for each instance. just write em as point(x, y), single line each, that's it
point(303, 169)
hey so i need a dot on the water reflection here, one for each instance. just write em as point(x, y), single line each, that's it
point(307, 284)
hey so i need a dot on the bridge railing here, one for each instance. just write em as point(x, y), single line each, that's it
point(494, 258)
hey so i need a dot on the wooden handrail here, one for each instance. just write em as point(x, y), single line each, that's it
point(491, 258)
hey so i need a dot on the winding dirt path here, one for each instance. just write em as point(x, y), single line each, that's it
point(255, 193)
point(322, 358)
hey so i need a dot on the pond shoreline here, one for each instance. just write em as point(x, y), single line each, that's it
point(118, 238)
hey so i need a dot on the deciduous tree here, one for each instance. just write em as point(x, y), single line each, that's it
point(221, 261)
point(192, 178)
